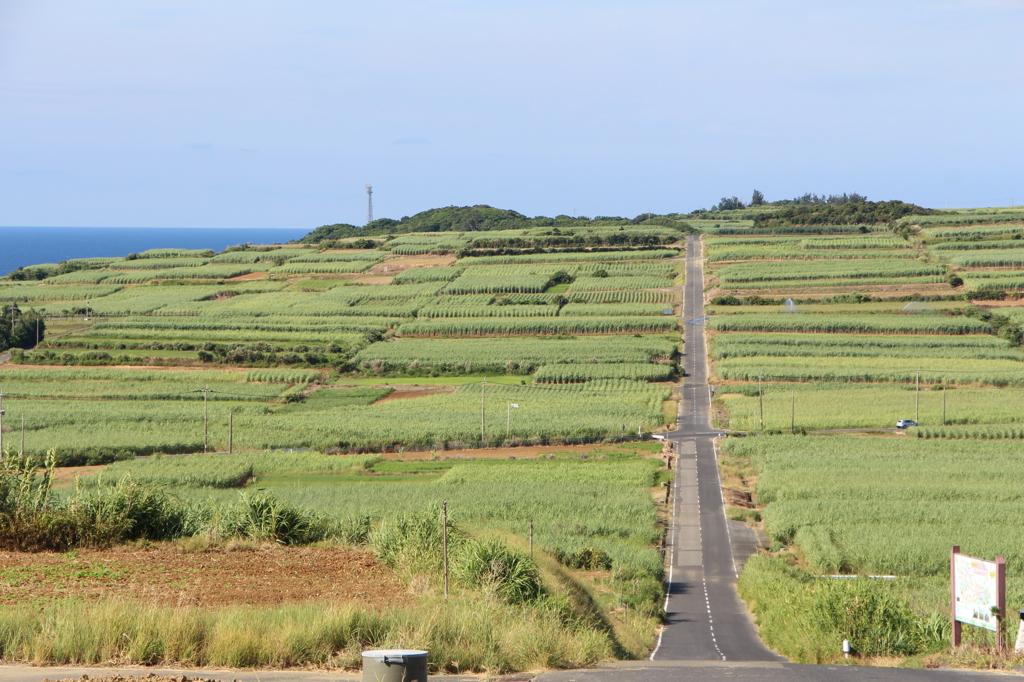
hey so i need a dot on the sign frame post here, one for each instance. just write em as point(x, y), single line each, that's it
point(978, 597)
point(957, 628)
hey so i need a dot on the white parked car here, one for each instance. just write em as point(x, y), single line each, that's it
point(904, 423)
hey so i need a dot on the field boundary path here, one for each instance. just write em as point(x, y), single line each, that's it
point(706, 619)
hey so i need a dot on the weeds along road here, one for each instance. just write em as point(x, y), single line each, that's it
point(706, 620)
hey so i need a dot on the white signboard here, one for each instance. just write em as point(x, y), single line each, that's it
point(976, 591)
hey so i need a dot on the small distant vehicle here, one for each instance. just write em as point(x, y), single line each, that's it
point(904, 423)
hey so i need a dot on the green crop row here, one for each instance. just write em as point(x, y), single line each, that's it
point(859, 269)
point(433, 274)
point(559, 325)
point(582, 284)
point(572, 257)
point(488, 311)
point(890, 369)
point(582, 269)
point(580, 372)
point(55, 293)
point(335, 257)
point(479, 284)
point(80, 277)
point(325, 268)
point(610, 309)
point(495, 354)
point(850, 406)
point(591, 410)
point(634, 296)
point(979, 245)
point(880, 323)
point(867, 515)
point(760, 253)
point(987, 259)
point(733, 345)
point(157, 263)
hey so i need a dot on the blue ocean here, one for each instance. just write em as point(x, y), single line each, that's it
point(21, 246)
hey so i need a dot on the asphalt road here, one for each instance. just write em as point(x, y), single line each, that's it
point(707, 621)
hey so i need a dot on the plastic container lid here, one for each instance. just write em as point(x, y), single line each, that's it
point(394, 653)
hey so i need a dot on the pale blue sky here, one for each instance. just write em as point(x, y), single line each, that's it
point(275, 114)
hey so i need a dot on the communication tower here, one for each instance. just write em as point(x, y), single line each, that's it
point(369, 204)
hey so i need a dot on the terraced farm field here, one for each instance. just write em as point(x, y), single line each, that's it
point(931, 334)
point(343, 357)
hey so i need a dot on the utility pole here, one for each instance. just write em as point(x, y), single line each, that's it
point(1, 426)
point(917, 398)
point(760, 400)
point(444, 543)
point(943, 404)
point(206, 418)
point(483, 428)
point(231, 432)
point(792, 415)
point(22, 453)
point(531, 538)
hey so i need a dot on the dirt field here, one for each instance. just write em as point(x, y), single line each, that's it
point(246, 278)
point(373, 279)
point(403, 393)
point(169, 576)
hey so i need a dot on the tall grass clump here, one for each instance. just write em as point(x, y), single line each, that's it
point(806, 618)
point(33, 519)
point(463, 634)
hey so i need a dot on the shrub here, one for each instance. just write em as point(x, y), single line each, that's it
point(505, 572)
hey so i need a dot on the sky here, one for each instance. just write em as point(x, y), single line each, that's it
point(259, 113)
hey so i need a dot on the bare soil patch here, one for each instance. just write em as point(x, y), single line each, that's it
point(170, 576)
point(149, 677)
point(394, 266)
point(404, 393)
point(64, 477)
point(373, 279)
point(245, 278)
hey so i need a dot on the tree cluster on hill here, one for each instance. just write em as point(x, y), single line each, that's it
point(18, 328)
point(479, 218)
point(734, 203)
point(858, 213)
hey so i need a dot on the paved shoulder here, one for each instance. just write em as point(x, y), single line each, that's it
point(740, 671)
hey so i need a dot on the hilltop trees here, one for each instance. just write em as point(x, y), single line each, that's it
point(22, 333)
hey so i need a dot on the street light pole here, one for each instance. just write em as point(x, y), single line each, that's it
point(760, 401)
point(508, 425)
point(483, 424)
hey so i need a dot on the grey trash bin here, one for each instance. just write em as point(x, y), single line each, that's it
point(395, 665)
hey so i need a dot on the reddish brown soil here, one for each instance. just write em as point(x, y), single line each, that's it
point(373, 279)
point(65, 476)
point(169, 576)
point(250, 276)
point(409, 393)
point(395, 265)
point(149, 677)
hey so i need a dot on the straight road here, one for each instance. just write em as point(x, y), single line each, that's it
point(706, 620)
